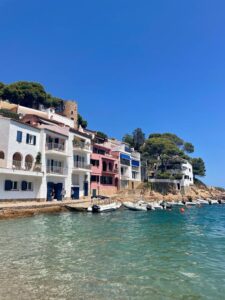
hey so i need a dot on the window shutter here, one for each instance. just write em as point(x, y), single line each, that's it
point(19, 136)
point(34, 140)
point(23, 185)
point(8, 185)
point(27, 140)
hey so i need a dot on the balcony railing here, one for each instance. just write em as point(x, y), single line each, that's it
point(18, 165)
point(113, 171)
point(55, 147)
point(56, 170)
point(81, 165)
point(81, 146)
point(124, 176)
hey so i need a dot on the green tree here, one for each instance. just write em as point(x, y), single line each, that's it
point(101, 135)
point(1, 88)
point(198, 167)
point(81, 122)
point(189, 148)
point(169, 136)
point(29, 94)
point(138, 138)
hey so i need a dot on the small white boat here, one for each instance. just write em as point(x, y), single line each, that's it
point(191, 203)
point(212, 201)
point(176, 203)
point(139, 206)
point(202, 201)
point(97, 208)
point(156, 206)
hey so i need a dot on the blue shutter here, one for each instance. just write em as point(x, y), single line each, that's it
point(19, 136)
point(23, 185)
point(34, 140)
point(8, 185)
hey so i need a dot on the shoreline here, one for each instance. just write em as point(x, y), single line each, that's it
point(11, 210)
point(32, 208)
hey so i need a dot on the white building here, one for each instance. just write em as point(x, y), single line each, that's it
point(21, 174)
point(40, 159)
point(129, 164)
point(80, 144)
point(181, 171)
point(187, 174)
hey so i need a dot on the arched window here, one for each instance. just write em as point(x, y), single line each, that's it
point(17, 160)
point(2, 155)
point(29, 162)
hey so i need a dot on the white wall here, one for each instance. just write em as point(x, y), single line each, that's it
point(23, 148)
point(19, 194)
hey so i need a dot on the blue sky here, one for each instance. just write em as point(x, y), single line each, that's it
point(158, 65)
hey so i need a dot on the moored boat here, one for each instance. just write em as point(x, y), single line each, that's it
point(202, 201)
point(97, 208)
point(138, 206)
point(212, 201)
point(75, 208)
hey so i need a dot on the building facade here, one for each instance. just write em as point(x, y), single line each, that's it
point(80, 164)
point(21, 171)
point(104, 171)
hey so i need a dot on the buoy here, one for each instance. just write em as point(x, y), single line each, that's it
point(182, 210)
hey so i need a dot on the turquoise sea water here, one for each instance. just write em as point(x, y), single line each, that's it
point(119, 255)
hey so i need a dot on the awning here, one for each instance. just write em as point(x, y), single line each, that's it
point(135, 163)
point(125, 156)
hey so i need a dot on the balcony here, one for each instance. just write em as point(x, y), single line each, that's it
point(81, 146)
point(55, 147)
point(17, 165)
point(56, 170)
point(81, 165)
point(112, 171)
point(125, 177)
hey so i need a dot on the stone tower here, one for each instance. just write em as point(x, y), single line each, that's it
point(70, 111)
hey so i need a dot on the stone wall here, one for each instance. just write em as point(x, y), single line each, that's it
point(70, 111)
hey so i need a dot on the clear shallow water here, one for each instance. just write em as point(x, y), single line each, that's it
point(119, 255)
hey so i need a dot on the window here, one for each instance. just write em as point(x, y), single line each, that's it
point(72, 119)
point(2, 155)
point(94, 178)
point(98, 151)
point(75, 179)
point(134, 175)
point(71, 112)
point(95, 162)
point(19, 136)
point(8, 185)
point(125, 162)
point(26, 186)
point(31, 139)
point(30, 186)
point(106, 180)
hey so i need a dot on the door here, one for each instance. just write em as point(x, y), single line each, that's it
point(75, 193)
point(94, 193)
point(58, 191)
point(50, 187)
point(86, 188)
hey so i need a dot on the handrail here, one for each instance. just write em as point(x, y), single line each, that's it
point(55, 146)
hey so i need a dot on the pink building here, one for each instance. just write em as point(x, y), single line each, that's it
point(104, 171)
